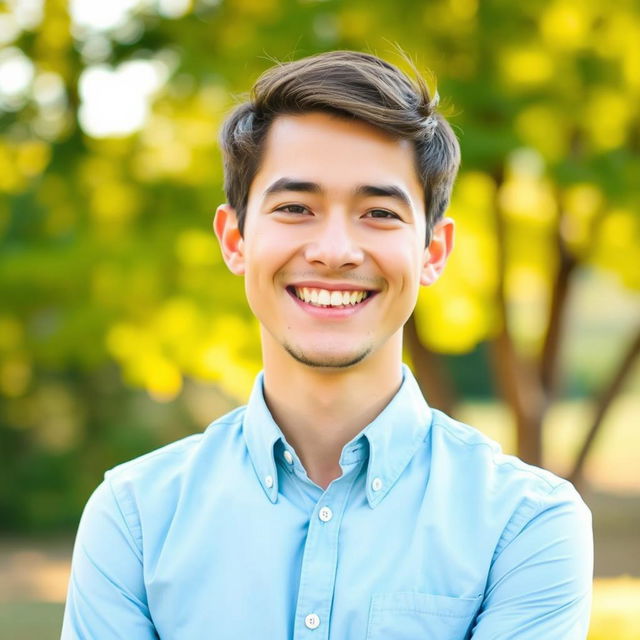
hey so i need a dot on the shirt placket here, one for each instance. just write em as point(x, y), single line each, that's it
point(319, 563)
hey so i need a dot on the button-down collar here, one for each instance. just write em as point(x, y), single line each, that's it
point(389, 441)
point(261, 433)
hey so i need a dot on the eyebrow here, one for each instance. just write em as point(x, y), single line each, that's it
point(363, 190)
point(385, 191)
point(289, 184)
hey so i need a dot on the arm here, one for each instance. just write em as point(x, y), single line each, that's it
point(106, 597)
point(539, 583)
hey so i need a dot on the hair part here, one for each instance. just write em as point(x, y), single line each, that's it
point(349, 84)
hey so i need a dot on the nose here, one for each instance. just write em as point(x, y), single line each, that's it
point(334, 245)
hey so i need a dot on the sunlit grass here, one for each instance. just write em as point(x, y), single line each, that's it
point(616, 609)
point(31, 620)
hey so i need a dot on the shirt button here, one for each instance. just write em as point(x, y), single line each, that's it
point(288, 457)
point(325, 514)
point(268, 481)
point(376, 484)
point(312, 621)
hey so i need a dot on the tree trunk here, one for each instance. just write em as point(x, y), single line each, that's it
point(520, 391)
point(518, 382)
point(555, 323)
point(432, 376)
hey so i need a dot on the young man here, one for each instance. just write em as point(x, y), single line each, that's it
point(336, 504)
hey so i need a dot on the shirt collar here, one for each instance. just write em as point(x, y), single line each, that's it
point(261, 433)
point(392, 438)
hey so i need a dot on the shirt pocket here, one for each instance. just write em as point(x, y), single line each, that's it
point(409, 615)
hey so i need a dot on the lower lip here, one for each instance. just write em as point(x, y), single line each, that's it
point(336, 313)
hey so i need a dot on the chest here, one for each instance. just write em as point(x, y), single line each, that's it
point(331, 568)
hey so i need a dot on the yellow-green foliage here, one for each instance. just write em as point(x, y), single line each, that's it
point(616, 609)
point(113, 294)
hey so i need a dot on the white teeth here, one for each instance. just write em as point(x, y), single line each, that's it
point(326, 298)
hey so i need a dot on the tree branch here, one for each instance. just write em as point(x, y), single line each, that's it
point(603, 404)
point(557, 309)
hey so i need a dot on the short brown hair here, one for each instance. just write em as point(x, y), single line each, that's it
point(352, 85)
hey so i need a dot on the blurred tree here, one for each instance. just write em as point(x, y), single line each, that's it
point(109, 174)
point(549, 189)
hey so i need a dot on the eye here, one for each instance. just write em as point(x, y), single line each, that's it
point(296, 209)
point(382, 214)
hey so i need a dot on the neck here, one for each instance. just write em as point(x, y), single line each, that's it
point(319, 410)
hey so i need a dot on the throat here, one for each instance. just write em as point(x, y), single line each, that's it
point(319, 420)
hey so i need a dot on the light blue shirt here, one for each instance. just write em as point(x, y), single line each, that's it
point(430, 533)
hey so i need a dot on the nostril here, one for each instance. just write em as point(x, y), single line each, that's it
point(334, 253)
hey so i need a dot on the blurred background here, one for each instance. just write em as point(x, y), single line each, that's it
point(121, 330)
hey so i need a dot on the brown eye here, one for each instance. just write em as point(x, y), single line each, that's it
point(382, 214)
point(293, 208)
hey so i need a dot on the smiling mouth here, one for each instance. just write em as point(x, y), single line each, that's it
point(326, 298)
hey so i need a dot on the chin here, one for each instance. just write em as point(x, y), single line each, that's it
point(327, 360)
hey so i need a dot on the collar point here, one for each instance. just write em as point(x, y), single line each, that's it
point(374, 499)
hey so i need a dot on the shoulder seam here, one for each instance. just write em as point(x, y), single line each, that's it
point(535, 510)
point(528, 469)
point(168, 449)
point(137, 543)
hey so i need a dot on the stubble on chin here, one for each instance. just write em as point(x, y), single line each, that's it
point(327, 361)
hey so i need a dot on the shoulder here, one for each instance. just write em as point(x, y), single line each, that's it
point(176, 458)
point(527, 529)
point(466, 447)
point(496, 485)
point(140, 499)
point(149, 489)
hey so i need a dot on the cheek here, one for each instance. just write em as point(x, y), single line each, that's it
point(272, 247)
point(262, 249)
point(267, 255)
point(401, 260)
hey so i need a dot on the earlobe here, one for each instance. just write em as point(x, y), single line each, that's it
point(437, 253)
point(225, 225)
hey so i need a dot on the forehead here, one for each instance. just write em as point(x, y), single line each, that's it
point(337, 153)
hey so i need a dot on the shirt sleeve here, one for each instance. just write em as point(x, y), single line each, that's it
point(106, 597)
point(540, 580)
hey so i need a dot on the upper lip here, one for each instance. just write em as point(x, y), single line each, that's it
point(331, 286)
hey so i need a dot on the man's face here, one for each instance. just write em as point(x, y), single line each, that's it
point(333, 247)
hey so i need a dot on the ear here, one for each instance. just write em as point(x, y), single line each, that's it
point(225, 224)
point(436, 254)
